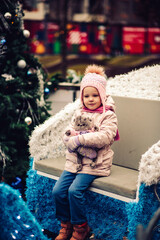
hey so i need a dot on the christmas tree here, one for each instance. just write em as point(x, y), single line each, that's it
point(22, 103)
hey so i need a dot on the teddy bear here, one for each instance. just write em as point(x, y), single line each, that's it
point(83, 125)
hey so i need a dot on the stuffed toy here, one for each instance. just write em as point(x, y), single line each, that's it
point(83, 125)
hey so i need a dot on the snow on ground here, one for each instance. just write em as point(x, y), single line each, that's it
point(143, 83)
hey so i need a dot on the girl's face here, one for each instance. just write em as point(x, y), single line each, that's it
point(91, 98)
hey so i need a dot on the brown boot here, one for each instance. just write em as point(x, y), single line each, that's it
point(80, 232)
point(65, 231)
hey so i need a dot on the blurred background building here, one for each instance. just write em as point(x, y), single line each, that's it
point(110, 27)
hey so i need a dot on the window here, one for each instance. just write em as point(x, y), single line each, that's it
point(96, 6)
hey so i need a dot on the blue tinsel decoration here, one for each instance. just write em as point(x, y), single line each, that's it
point(142, 211)
point(110, 219)
point(106, 216)
point(16, 220)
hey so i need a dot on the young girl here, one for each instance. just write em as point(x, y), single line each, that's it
point(69, 190)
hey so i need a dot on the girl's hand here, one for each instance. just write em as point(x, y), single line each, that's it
point(66, 139)
point(73, 143)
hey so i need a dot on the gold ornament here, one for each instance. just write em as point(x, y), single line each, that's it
point(7, 15)
point(26, 33)
point(28, 120)
point(21, 64)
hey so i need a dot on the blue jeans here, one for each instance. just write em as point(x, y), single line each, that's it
point(69, 192)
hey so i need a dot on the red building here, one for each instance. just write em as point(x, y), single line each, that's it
point(94, 27)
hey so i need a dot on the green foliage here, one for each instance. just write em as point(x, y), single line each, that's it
point(21, 92)
point(52, 84)
point(55, 79)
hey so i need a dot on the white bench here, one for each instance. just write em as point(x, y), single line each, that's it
point(120, 185)
point(139, 129)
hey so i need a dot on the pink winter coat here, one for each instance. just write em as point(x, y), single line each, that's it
point(101, 140)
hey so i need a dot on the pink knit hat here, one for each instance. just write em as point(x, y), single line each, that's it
point(94, 79)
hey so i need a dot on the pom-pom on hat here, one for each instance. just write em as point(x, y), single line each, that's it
point(94, 77)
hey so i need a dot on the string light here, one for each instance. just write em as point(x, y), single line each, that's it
point(13, 236)
point(26, 225)
point(3, 41)
point(32, 235)
point(46, 90)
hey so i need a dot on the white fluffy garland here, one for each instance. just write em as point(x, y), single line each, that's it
point(46, 139)
point(142, 83)
point(149, 168)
